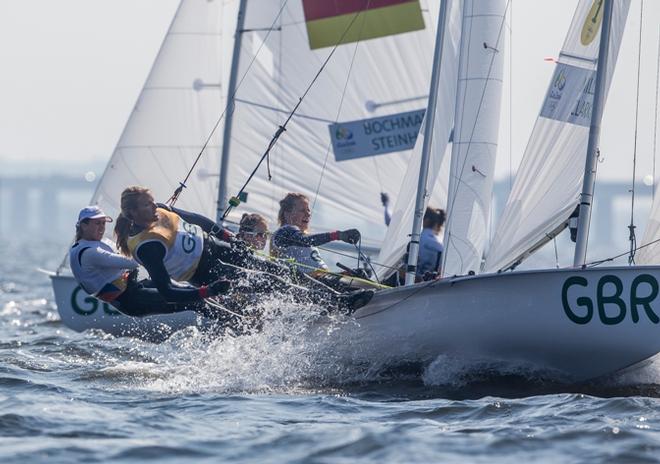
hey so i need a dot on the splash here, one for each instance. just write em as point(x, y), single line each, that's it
point(284, 354)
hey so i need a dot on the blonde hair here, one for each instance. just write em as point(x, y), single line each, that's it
point(129, 199)
point(287, 203)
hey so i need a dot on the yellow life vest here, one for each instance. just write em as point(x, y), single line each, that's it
point(183, 243)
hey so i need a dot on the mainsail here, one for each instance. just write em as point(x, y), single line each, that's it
point(382, 76)
point(186, 93)
point(547, 184)
point(474, 144)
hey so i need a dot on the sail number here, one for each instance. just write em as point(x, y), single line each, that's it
point(89, 304)
point(613, 302)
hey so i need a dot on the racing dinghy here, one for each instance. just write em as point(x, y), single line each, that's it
point(580, 322)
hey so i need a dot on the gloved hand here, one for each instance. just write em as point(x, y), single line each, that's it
point(351, 236)
point(218, 287)
point(384, 199)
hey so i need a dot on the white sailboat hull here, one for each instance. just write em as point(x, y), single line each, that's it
point(80, 311)
point(579, 322)
point(582, 323)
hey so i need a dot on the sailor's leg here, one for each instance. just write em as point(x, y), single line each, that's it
point(139, 301)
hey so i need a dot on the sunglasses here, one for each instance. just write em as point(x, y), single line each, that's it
point(255, 234)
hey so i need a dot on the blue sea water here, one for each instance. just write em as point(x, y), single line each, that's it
point(89, 397)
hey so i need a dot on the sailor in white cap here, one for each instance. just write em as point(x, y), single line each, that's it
point(105, 274)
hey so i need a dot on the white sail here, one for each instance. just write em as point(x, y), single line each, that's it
point(175, 112)
point(548, 182)
point(364, 79)
point(185, 94)
point(474, 144)
point(650, 253)
point(396, 240)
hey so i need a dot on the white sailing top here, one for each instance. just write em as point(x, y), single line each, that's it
point(96, 263)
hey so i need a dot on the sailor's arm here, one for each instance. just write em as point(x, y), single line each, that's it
point(152, 254)
point(295, 237)
point(98, 257)
point(207, 225)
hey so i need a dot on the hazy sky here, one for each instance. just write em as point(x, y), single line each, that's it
point(71, 71)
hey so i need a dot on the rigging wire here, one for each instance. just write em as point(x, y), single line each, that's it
point(234, 201)
point(631, 227)
point(612, 258)
point(229, 108)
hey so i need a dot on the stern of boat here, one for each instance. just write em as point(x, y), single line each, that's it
point(80, 311)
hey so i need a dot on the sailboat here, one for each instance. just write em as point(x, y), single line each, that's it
point(260, 53)
point(580, 322)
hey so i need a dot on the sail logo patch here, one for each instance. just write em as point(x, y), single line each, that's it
point(343, 133)
point(570, 97)
point(560, 82)
point(591, 26)
point(375, 136)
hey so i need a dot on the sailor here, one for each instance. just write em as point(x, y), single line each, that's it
point(292, 241)
point(170, 247)
point(105, 274)
point(253, 230)
point(430, 245)
point(166, 244)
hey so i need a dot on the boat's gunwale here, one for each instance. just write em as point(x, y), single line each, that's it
point(450, 281)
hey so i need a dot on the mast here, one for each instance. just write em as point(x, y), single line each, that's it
point(413, 251)
point(591, 163)
point(229, 112)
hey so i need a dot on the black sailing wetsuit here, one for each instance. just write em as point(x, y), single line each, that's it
point(141, 299)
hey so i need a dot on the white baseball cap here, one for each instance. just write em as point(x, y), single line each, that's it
point(92, 212)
